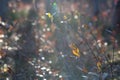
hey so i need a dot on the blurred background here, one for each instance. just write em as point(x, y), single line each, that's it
point(59, 40)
